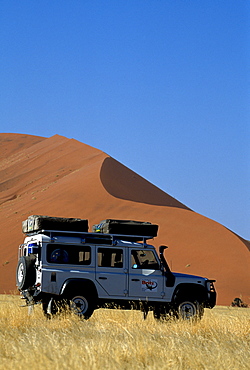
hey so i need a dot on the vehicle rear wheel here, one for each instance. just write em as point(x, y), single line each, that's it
point(82, 306)
point(25, 272)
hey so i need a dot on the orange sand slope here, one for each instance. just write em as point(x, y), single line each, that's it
point(62, 177)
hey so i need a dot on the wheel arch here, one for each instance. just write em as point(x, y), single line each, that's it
point(191, 291)
point(79, 285)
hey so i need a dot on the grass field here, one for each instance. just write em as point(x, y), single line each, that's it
point(114, 339)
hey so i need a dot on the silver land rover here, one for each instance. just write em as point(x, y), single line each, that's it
point(81, 271)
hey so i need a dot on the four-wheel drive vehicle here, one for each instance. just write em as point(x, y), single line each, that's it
point(83, 271)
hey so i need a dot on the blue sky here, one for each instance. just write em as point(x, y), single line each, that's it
point(162, 86)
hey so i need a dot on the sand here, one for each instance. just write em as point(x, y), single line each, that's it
point(63, 177)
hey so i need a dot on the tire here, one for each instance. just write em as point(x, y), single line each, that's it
point(82, 306)
point(189, 310)
point(25, 272)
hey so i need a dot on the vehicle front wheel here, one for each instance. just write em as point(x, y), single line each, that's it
point(82, 306)
point(189, 310)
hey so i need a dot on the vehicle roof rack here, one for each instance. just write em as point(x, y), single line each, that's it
point(88, 237)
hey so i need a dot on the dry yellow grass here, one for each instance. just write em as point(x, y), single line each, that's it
point(113, 339)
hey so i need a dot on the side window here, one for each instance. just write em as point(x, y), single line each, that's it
point(69, 254)
point(110, 257)
point(144, 259)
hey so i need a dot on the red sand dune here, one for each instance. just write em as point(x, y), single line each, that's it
point(62, 177)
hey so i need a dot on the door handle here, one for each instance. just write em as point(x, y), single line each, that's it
point(135, 279)
point(103, 278)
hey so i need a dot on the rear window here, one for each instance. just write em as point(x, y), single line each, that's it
point(69, 254)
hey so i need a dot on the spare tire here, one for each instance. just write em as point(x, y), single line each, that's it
point(25, 272)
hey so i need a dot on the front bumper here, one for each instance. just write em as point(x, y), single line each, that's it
point(211, 294)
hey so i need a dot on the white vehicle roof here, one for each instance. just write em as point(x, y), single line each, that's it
point(48, 236)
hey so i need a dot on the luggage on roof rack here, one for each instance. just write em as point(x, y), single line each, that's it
point(126, 227)
point(37, 223)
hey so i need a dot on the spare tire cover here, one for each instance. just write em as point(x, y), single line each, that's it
point(25, 272)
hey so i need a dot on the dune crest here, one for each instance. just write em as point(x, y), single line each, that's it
point(123, 183)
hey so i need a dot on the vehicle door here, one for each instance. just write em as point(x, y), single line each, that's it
point(145, 276)
point(111, 271)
